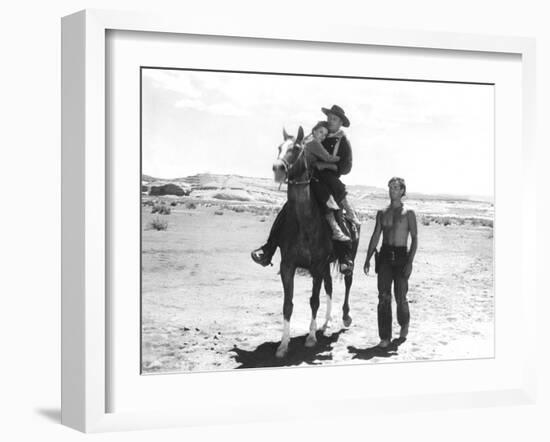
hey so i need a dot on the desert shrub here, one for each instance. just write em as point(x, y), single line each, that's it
point(218, 212)
point(443, 221)
point(191, 205)
point(158, 224)
point(486, 222)
point(161, 209)
point(260, 211)
point(262, 220)
point(426, 221)
point(173, 203)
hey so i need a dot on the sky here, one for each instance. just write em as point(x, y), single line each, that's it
point(438, 136)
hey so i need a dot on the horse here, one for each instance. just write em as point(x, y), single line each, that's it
point(306, 241)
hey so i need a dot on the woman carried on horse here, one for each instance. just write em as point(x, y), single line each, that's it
point(306, 239)
point(325, 182)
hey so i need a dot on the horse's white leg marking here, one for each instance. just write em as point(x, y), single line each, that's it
point(311, 339)
point(328, 316)
point(283, 346)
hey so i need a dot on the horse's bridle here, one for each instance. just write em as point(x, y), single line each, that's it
point(287, 166)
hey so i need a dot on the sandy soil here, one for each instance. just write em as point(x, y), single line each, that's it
point(207, 306)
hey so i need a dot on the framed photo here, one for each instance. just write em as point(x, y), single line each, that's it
point(183, 144)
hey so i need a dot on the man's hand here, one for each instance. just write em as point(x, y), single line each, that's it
point(366, 267)
point(408, 270)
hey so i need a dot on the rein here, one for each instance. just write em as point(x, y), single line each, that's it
point(290, 166)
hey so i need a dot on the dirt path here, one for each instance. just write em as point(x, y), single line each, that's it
point(207, 306)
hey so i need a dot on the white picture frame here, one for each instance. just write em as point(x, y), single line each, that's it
point(85, 311)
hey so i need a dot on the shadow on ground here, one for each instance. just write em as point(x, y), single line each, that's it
point(376, 352)
point(298, 353)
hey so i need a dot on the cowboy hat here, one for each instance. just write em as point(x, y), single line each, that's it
point(339, 112)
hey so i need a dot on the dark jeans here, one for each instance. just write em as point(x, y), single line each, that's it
point(391, 270)
point(321, 193)
point(335, 187)
point(276, 229)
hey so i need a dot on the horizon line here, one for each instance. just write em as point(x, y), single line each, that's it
point(442, 194)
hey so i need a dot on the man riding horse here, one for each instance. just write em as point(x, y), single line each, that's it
point(325, 184)
point(306, 240)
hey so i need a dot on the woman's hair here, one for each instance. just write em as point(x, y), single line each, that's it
point(320, 124)
point(401, 183)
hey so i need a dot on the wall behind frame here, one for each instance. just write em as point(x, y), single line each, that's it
point(30, 225)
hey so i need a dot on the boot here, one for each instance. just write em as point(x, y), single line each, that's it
point(337, 233)
point(331, 204)
point(350, 212)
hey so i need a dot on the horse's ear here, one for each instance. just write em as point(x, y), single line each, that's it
point(300, 136)
point(286, 136)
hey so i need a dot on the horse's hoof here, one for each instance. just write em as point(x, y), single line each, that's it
point(281, 352)
point(326, 328)
point(311, 341)
point(347, 321)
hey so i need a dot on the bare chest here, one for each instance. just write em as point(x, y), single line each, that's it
point(395, 219)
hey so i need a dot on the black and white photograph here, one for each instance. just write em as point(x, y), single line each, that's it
point(292, 220)
point(310, 220)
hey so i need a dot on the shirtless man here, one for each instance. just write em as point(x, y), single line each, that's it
point(396, 223)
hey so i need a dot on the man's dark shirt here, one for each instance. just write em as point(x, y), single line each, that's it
point(344, 152)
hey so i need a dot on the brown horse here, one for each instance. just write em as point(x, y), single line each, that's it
point(306, 240)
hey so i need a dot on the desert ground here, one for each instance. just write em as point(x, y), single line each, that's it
point(207, 306)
